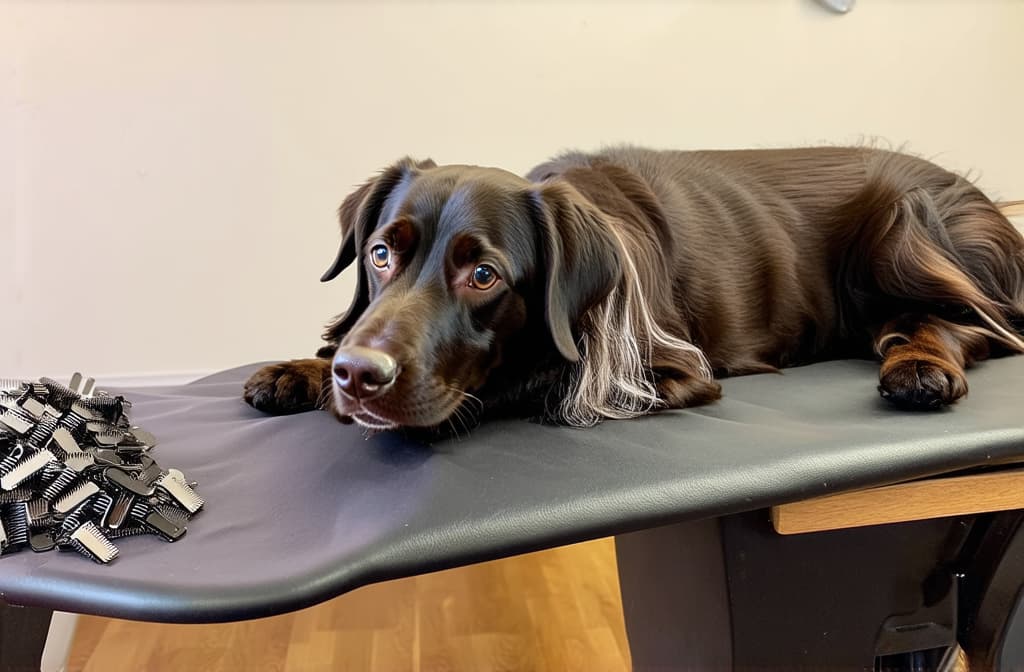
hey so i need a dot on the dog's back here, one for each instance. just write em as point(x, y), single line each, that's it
point(790, 255)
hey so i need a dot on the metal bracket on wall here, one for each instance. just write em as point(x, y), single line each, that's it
point(839, 6)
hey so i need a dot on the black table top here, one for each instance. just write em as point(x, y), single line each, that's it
point(301, 509)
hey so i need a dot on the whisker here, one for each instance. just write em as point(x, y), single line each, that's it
point(455, 430)
point(325, 396)
point(478, 400)
point(459, 413)
point(466, 396)
point(452, 418)
point(473, 407)
point(467, 412)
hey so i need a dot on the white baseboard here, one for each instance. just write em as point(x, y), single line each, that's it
point(152, 379)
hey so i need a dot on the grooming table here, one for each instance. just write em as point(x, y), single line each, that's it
point(301, 509)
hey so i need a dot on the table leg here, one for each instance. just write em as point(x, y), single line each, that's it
point(23, 633)
point(733, 594)
point(992, 613)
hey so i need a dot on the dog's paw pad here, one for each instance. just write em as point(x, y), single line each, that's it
point(290, 387)
point(919, 384)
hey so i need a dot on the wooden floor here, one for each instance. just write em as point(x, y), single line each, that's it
point(557, 610)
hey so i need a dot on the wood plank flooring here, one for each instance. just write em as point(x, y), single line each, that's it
point(556, 610)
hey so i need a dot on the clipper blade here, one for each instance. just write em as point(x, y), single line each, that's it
point(90, 542)
point(25, 469)
point(75, 497)
point(181, 493)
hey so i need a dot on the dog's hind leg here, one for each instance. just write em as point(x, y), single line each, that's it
point(924, 358)
point(951, 256)
point(935, 262)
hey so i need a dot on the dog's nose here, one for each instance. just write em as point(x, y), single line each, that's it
point(363, 373)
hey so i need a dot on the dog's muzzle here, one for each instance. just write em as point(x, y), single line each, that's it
point(363, 373)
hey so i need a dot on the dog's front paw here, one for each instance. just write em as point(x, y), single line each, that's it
point(921, 384)
point(289, 387)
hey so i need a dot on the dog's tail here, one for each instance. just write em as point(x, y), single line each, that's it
point(917, 238)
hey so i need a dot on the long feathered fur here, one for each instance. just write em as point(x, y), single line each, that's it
point(614, 377)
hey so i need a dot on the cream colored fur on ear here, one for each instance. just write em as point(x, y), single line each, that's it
point(613, 378)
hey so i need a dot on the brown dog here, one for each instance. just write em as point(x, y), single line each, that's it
point(610, 285)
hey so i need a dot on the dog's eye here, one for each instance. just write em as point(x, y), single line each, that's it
point(483, 277)
point(380, 255)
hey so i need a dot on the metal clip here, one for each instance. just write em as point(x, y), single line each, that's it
point(75, 497)
point(110, 458)
point(90, 542)
point(9, 400)
point(65, 441)
point(173, 513)
point(17, 421)
point(73, 421)
point(110, 408)
point(128, 482)
point(52, 411)
point(26, 468)
point(43, 430)
point(151, 471)
point(84, 411)
point(142, 437)
point(75, 384)
point(11, 459)
point(58, 394)
point(177, 475)
point(64, 478)
point(97, 426)
point(118, 511)
point(79, 461)
point(33, 407)
point(75, 472)
point(181, 493)
point(37, 513)
point(16, 526)
point(41, 541)
point(19, 494)
point(108, 438)
point(163, 526)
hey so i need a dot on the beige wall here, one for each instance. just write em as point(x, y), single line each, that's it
point(169, 171)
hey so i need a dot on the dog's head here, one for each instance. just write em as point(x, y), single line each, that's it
point(462, 271)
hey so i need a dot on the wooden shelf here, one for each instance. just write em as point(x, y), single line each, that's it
point(917, 500)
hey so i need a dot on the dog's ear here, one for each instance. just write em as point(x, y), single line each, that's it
point(358, 215)
point(579, 255)
point(361, 209)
